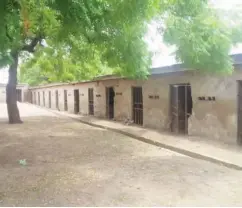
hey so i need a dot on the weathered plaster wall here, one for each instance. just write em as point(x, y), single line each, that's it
point(122, 104)
point(213, 119)
point(123, 100)
point(24, 92)
point(24, 89)
point(83, 97)
point(157, 111)
point(2, 94)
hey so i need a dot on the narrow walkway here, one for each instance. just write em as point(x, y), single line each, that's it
point(229, 156)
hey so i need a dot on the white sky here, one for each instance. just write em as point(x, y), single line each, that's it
point(163, 53)
point(226, 4)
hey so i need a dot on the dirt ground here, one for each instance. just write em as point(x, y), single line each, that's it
point(72, 164)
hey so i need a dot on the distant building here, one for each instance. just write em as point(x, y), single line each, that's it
point(22, 92)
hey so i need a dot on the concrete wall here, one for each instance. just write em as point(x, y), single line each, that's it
point(2, 94)
point(213, 119)
point(52, 91)
point(157, 111)
point(218, 119)
point(24, 91)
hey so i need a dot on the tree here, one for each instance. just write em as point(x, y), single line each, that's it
point(202, 36)
point(57, 65)
point(109, 30)
point(89, 37)
point(23, 25)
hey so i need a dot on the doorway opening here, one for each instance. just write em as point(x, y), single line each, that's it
point(38, 98)
point(110, 94)
point(49, 99)
point(19, 95)
point(137, 98)
point(35, 98)
point(65, 101)
point(30, 97)
point(43, 98)
point(239, 113)
point(90, 101)
point(180, 107)
point(76, 101)
point(56, 100)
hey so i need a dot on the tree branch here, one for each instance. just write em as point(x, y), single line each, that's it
point(7, 34)
point(30, 47)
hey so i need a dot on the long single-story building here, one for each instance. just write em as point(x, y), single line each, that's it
point(22, 92)
point(171, 99)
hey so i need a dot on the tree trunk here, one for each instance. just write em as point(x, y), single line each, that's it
point(11, 99)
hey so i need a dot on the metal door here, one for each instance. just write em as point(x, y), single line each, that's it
point(180, 107)
point(239, 112)
point(76, 101)
point(137, 96)
point(65, 101)
point(56, 99)
point(174, 108)
point(35, 98)
point(110, 102)
point(19, 95)
point(30, 97)
point(38, 98)
point(43, 98)
point(90, 101)
point(49, 99)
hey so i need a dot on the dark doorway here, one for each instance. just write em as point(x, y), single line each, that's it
point(43, 98)
point(110, 94)
point(65, 101)
point(76, 102)
point(90, 101)
point(38, 98)
point(19, 95)
point(30, 97)
point(239, 112)
point(56, 99)
point(49, 99)
point(180, 107)
point(35, 98)
point(137, 97)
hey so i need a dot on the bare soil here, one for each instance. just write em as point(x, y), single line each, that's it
point(72, 164)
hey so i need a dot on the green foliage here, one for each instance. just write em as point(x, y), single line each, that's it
point(203, 41)
point(87, 38)
point(56, 65)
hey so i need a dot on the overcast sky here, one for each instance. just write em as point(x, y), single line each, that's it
point(163, 56)
point(156, 44)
